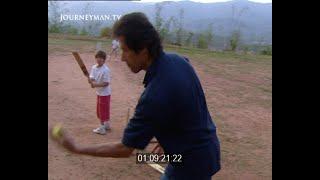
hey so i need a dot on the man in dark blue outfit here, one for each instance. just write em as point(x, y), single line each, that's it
point(172, 107)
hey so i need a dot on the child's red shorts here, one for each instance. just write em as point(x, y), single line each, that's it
point(103, 108)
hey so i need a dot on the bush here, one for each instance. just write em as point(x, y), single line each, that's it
point(202, 43)
point(105, 32)
point(73, 31)
point(267, 51)
point(84, 32)
point(70, 30)
point(245, 49)
point(54, 29)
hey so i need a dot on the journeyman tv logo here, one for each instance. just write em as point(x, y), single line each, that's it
point(89, 17)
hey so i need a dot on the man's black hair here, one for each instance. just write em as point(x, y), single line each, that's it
point(138, 33)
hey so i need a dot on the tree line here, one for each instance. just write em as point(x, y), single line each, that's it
point(171, 30)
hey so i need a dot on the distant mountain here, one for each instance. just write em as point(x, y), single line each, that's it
point(254, 19)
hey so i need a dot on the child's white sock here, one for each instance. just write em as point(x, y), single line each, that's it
point(106, 124)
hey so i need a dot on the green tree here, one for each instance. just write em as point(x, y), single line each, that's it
point(165, 30)
point(236, 25)
point(189, 39)
point(210, 34)
point(202, 42)
point(179, 31)
point(234, 41)
point(91, 27)
point(158, 19)
point(54, 11)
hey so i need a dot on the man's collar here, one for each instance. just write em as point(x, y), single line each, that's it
point(151, 71)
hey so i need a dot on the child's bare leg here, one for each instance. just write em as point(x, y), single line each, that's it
point(111, 54)
point(116, 54)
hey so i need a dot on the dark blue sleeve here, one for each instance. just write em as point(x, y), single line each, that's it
point(138, 132)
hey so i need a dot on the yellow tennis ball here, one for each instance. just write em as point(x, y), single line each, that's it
point(56, 131)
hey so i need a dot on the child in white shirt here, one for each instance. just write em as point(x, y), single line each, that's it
point(100, 79)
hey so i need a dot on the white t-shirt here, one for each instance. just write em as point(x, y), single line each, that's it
point(101, 74)
point(115, 44)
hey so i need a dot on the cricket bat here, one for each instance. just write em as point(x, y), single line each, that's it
point(81, 64)
point(157, 167)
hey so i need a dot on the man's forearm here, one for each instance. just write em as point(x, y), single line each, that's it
point(116, 150)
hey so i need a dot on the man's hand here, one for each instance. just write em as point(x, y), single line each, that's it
point(116, 149)
point(157, 149)
point(65, 140)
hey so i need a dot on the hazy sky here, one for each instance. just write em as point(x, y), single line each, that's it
point(207, 1)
